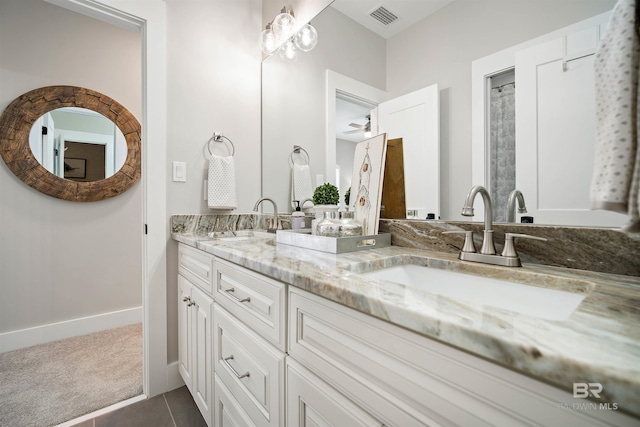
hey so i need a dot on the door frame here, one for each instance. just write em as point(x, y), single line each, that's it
point(343, 86)
point(149, 19)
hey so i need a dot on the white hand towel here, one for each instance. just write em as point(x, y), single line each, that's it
point(221, 193)
point(301, 187)
point(616, 179)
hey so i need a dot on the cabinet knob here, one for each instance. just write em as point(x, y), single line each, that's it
point(186, 299)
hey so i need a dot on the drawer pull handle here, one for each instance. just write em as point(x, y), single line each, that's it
point(230, 291)
point(236, 373)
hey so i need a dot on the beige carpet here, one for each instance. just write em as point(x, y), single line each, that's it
point(48, 384)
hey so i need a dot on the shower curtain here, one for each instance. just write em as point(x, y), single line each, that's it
point(502, 150)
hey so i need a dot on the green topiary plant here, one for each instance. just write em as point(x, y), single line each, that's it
point(326, 194)
point(347, 196)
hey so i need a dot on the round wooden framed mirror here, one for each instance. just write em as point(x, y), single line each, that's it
point(18, 119)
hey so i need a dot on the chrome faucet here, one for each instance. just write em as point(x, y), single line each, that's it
point(488, 248)
point(305, 201)
point(511, 205)
point(273, 223)
point(487, 255)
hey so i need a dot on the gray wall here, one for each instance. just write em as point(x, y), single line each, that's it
point(63, 260)
point(213, 85)
point(440, 49)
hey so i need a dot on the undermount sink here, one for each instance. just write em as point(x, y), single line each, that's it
point(530, 300)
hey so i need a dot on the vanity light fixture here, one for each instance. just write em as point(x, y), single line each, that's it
point(288, 51)
point(268, 40)
point(307, 38)
point(279, 35)
point(283, 24)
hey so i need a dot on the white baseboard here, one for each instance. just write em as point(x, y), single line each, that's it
point(69, 328)
point(174, 379)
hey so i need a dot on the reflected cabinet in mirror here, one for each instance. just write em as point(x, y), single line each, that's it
point(71, 143)
point(303, 105)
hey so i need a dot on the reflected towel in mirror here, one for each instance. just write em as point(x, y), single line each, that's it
point(221, 192)
point(301, 186)
point(616, 180)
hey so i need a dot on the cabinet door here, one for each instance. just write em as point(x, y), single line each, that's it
point(202, 349)
point(313, 403)
point(184, 330)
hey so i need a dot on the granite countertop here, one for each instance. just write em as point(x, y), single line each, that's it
point(598, 343)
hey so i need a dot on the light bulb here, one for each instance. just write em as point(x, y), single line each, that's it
point(283, 24)
point(268, 40)
point(307, 38)
point(289, 51)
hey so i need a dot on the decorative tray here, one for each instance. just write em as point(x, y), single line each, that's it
point(335, 245)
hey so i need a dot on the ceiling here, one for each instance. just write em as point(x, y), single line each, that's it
point(349, 112)
point(408, 12)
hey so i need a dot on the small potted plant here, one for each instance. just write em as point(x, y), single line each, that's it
point(325, 198)
point(347, 197)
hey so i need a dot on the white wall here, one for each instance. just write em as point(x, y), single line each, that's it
point(293, 103)
point(440, 50)
point(62, 260)
point(213, 85)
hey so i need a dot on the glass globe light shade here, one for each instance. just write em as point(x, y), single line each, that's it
point(283, 25)
point(307, 38)
point(288, 51)
point(268, 40)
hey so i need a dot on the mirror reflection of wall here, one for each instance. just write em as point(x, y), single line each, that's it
point(78, 144)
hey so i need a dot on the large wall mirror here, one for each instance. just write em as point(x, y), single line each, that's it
point(295, 106)
point(71, 143)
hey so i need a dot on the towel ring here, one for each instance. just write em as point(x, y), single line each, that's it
point(296, 150)
point(218, 137)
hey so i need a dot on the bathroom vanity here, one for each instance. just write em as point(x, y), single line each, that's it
point(275, 335)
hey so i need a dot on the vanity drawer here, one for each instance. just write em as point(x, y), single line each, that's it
point(258, 301)
point(228, 412)
point(251, 368)
point(197, 266)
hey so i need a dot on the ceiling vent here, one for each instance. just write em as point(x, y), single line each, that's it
point(383, 15)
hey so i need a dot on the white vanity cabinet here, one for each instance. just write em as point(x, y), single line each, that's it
point(403, 379)
point(195, 336)
point(249, 341)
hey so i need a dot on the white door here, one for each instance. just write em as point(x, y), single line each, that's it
point(415, 118)
point(555, 130)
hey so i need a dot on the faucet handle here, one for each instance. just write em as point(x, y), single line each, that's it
point(469, 246)
point(510, 246)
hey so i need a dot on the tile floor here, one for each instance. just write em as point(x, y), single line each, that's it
point(172, 409)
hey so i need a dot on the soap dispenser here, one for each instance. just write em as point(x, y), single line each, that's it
point(298, 218)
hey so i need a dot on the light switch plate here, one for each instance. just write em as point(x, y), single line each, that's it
point(179, 172)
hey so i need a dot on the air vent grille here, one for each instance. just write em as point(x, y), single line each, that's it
point(383, 15)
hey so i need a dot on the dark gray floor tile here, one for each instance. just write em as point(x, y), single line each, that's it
point(147, 413)
point(184, 409)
